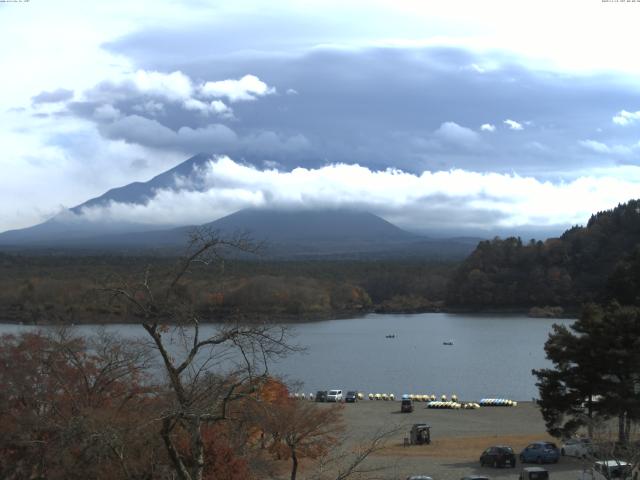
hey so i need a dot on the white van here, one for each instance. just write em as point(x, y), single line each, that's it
point(334, 396)
point(608, 470)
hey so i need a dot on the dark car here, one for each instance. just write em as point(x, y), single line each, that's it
point(321, 396)
point(406, 405)
point(540, 452)
point(351, 397)
point(498, 456)
point(475, 477)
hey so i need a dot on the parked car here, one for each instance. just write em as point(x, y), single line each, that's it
point(475, 477)
point(540, 452)
point(419, 477)
point(351, 397)
point(406, 405)
point(534, 473)
point(334, 396)
point(498, 456)
point(608, 470)
point(321, 396)
point(577, 447)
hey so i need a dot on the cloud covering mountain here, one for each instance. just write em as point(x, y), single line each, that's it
point(429, 115)
point(455, 202)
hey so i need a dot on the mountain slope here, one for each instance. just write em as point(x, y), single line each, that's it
point(338, 233)
point(67, 227)
point(141, 192)
point(308, 230)
point(317, 225)
point(334, 234)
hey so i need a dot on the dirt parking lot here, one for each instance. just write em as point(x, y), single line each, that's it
point(458, 439)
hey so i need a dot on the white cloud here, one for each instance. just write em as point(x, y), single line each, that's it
point(594, 145)
point(626, 118)
point(198, 105)
point(220, 107)
point(508, 199)
point(600, 147)
point(215, 107)
point(172, 86)
point(488, 127)
point(451, 132)
point(513, 125)
point(247, 88)
point(485, 67)
point(178, 88)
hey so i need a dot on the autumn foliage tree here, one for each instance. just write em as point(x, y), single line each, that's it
point(87, 408)
point(74, 409)
point(299, 429)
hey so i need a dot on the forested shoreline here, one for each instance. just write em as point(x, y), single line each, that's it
point(68, 289)
point(596, 263)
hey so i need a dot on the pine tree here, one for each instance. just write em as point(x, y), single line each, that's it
point(596, 371)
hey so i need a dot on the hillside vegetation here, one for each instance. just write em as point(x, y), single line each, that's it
point(593, 263)
point(41, 289)
point(598, 262)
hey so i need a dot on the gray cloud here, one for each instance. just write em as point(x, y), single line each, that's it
point(409, 108)
point(219, 138)
point(232, 34)
point(59, 95)
point(151, 133)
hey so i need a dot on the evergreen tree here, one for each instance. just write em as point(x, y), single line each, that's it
point(596, 371)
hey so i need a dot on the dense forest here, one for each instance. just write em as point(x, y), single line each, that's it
point(594, 263)
point(61, 288)
point(598, 262)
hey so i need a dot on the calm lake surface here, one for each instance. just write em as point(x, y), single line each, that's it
point(491, 355)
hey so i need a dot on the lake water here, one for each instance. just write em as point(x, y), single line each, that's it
point(491, 355)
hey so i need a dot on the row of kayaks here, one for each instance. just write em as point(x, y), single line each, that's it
point(498, 402)
point(429, 399)
point(381, 396)
point(454, 405)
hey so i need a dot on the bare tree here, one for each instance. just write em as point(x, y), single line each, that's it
point(352, 463)
point(213, 369)
point(609, 458)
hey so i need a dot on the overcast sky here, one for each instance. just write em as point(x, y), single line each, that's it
point(491, 115)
